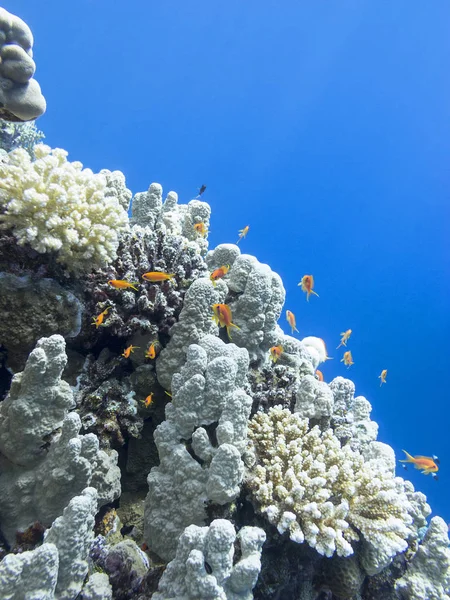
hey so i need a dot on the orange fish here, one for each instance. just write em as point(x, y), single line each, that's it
point(276, 352)
point(151, 350)
point(307, 284)
point(222, 316)
point(383, 376)
point(149, 400)
point(201, 229)
point(120, 284)
point(155, 276)
point(243, 233)
point(291, 320)
point(97, 321)
point(426, 464)
point(219, 273)
point(344, 337)
point(319, 375)
point(348, 359)
point(126, 353)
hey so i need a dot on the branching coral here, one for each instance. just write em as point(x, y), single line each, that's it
point(308, 485)
point(57, 206)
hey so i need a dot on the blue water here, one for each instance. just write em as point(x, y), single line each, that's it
point(324, 126)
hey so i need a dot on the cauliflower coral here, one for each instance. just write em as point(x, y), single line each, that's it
point(55, 205)
point(322, 493)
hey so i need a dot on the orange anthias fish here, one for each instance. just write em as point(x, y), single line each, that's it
point(120, 284)
point(307, 284)
point(149, 400)
point(347, 359)
point(219, 273)
point(201, 229)
point(319, 375)
point(243, 233)
point(155, 276)
point(151, 350)
point(222, 316)
point(275, 353)
point(383, 376)
point(97, 321)
point(344, 337)
point(126, 353)
point(426, 464)
point(291, 320)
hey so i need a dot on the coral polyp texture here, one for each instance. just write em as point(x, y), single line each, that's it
point(53, 205)
point(322, 493)
point(20, 95)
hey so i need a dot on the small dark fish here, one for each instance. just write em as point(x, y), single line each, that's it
point(208, 568)
point(201, 190)
point(436, 459)
point(434, 476)
point(405, 467)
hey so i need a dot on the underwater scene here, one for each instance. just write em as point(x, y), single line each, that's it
point(224, 300)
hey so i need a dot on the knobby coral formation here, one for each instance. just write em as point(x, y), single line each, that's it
point(201, 453)
point(20, 94)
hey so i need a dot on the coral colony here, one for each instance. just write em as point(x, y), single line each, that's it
point(143, 453)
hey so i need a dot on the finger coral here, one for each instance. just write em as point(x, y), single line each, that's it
point(57, 206)
point(306, 484)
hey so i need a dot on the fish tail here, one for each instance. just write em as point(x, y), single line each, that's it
point(409, 458)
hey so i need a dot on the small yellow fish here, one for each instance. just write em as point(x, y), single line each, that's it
point(319, 375)
point(275, 353)
point(222, 317)
point(426, 464)
point(98, 320)
point(151, 350)
point(126, 353)
point(344, 337)
point(219, 273)
point(120, 284)
point(243, 233)
point(347, 359)
point(291, 320)
point(201, 229)
point(382, 376)
point(155, 276)
point(149, 400)
point(307, 284)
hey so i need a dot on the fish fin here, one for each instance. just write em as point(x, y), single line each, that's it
point(409, 458)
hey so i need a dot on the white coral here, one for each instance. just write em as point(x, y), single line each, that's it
point(325, 494)
point(55, 205)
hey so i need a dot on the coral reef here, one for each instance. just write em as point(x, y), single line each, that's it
point(20, 95)
point(249, 478)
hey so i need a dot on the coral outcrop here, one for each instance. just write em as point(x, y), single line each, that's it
point(20, 95)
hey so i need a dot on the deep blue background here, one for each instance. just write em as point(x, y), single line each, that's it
point(324, 125)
